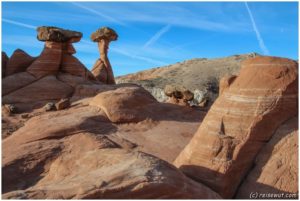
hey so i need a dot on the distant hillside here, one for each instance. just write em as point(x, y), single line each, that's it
point(199, 74)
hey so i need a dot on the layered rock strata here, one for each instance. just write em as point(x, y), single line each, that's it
point(240, 122)
point(275, 172)
point(4, 61)
point(18, 62)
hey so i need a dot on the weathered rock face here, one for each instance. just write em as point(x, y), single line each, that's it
point(38, 163)
point(47, 88)
point(73, 66)
point(100, 72)
point(4, 63)
point(48, 63)
point(240, 122)
point(125, 104)
point(16, 81)
point(225, 82)
point(73, 80)
point(276, 166)
point(55, 34)
point(18, 62)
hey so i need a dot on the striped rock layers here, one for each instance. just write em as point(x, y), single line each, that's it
point(71, 65)
point(18, 62)
point(240, 122)
point(57, 54)
point(48, 62)
point(4, 63)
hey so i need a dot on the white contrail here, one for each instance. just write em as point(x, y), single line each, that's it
point(156, 36)
point(19, 23)
point(258, 36)
point(99, 14)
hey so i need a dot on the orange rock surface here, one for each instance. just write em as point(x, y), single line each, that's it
point(240, 122)
point(18, 62)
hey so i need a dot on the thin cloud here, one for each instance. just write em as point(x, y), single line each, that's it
point(121, 52)
point(258, 36)
point(19, 23)
point(149, 60)
point(99, 14)
point(156, 36)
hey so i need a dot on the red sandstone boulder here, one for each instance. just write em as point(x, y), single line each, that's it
point(125, 104)
point(47, 88)
point(48, 63)
point(240, 122)
point(4, 63)
point(18, 62)
point(276, 166)
point(16, 81)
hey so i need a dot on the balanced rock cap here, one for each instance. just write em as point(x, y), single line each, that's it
point(104, 33)
point(56, 34)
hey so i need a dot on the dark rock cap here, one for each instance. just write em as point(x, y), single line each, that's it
point(56, 34)
point(104, 33)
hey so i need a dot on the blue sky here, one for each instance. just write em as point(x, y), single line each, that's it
point(153, 34)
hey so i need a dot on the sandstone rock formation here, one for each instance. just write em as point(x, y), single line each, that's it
point(57, 54)
point(4, 63)
point(18, 62)
point(117, 141)
point(240, 122)
point(276, 166)
point(56, 64)
point(102, 69)
point(71, 65)
point(38, 163)
point(99, 71)
point(48, 63)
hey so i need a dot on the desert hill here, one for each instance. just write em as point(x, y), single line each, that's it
point(201, 75)
point(66, 135)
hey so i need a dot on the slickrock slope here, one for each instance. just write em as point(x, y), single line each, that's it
point(47, 88)
point(240, 122)
point(276, 166)
point(16, 81)
point(55, 150)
